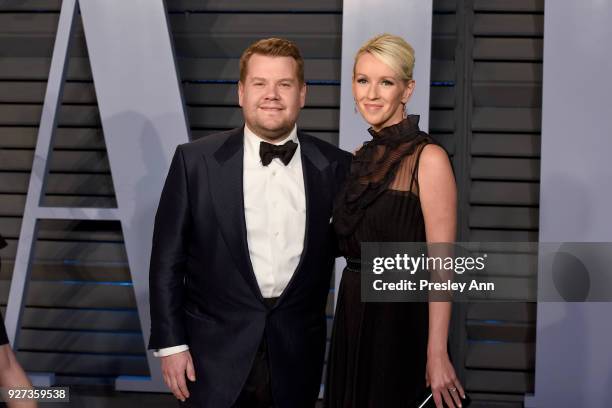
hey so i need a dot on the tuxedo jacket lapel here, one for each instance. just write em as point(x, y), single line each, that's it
point(226, 189)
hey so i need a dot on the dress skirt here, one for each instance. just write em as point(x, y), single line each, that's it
point(378, 353)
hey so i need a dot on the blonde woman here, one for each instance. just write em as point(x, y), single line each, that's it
point(401, 188)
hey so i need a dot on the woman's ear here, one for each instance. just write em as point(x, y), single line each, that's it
point(407, 94)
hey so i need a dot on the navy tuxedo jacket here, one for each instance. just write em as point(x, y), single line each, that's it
point(203, 290)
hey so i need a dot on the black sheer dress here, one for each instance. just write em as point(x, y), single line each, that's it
point(378, 352)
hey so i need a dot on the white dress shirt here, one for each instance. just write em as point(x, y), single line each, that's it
point(275, 215)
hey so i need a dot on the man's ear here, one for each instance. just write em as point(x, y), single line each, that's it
point(303, 95)
point(240, 92)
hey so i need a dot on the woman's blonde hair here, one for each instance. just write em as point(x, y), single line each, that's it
point(393, 51)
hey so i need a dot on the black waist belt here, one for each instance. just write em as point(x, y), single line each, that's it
point(353, 264)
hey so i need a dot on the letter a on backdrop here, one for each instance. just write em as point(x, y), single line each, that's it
point(143, 120)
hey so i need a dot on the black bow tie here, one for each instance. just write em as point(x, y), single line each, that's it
point(268, 151)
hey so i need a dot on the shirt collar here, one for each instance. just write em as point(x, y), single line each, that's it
point(252, 141)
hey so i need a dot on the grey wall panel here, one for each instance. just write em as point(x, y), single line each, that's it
point(67, 230)
point(513, 312)
point(500, 193)
point(60, 183)
point(442, 97)
point(37, 68)
point(493, 119)
point(506, 144)
point(80, 319)
point(506, 355)
point(513, 333)
point(201, 25)
point(69, 115)
point(515, 382)
point(504, 217)
point(513, 25)
point(509, 5)
point(59, 270)
point(61, 294)
point(31, 5)
point(508, 94)
point(493, 235)
point(511, 264)
point(34, 92)
point(37, 46)
point(491, 401)
point(259, 6)
point(33, 23)
point(231, 46)
point(65, 138)
point(79, 364)
point(575, 198)
point(62, 161)
point(507, 169)
point(442, 121)
point(13, 204)
point(508, 71)
point(443, 70)
point(520, 49)
point(81, 341)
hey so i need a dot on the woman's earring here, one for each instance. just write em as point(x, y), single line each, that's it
point(404, 113)
point(355, 106)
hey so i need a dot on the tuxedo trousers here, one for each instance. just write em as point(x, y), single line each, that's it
point(257, 390)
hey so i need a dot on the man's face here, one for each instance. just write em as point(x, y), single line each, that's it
point(271, 96)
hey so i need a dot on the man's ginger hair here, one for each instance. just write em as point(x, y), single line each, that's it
point(272, 47)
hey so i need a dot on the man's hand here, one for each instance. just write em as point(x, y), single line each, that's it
point(174, 368)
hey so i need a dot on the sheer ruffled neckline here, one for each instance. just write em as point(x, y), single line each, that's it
point(407, 127)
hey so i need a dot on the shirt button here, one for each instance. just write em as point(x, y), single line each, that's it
point(274, 173)
point(276, 234)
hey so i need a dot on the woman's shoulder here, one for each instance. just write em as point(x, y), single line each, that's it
point(433, 160)
point(432, 152)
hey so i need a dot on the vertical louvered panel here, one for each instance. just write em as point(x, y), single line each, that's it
point(502, 70)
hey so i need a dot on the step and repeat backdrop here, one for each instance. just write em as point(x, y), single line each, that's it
point(80, 319)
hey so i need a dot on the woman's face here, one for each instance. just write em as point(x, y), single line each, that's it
point(378, 92)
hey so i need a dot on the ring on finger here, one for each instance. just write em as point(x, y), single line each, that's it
point(452, 389)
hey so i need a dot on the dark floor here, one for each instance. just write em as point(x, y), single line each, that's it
point(106, 397)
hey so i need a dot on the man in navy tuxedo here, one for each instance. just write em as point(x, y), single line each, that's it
point(243, 249)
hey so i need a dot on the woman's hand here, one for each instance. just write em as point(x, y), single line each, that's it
point(440, 376)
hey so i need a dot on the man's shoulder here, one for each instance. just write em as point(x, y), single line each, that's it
point(210, 143)
point(333, 153)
